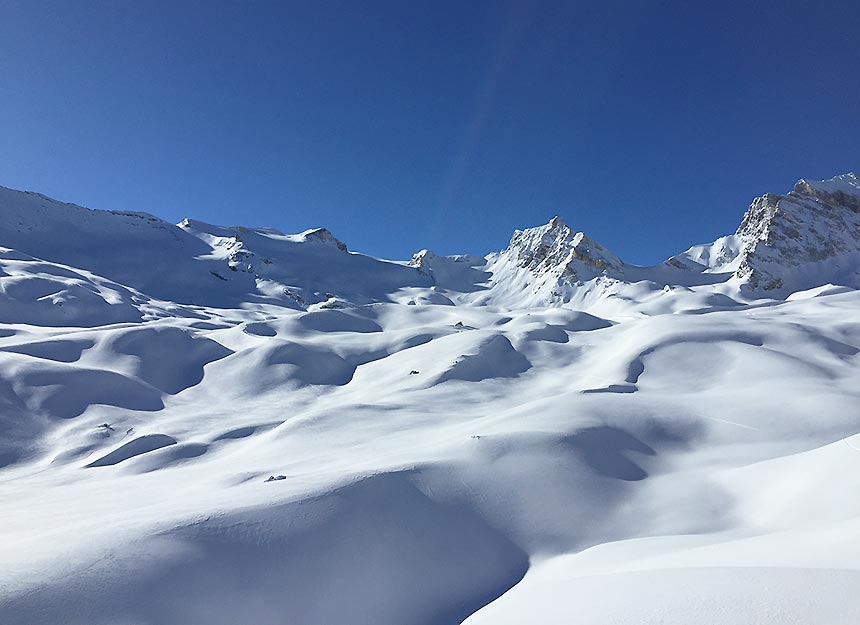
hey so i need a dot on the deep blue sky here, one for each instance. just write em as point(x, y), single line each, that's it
point(409, 124)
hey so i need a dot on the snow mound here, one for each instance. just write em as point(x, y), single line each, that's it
point(59, 350)
point(493, 358)
point(431, 564)
point(135, 447)
point(168, 358)
point(67, 392)
point(47, 294)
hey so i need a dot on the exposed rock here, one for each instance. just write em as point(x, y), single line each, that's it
point(322, 235)
point(555, 248)
point(785, 237)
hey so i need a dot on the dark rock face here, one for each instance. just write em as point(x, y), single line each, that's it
point(323, 235)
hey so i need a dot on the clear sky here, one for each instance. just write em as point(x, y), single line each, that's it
point(406, 124)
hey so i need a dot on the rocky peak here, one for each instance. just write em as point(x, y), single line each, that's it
point(842, 191)
point(323, 235)
point(423, 260)
point(555, 248)
point(783, 235)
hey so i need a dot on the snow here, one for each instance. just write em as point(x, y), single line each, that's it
point(546, 435)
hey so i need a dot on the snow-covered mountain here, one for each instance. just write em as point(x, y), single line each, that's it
point(221, 425)
point(791, 242)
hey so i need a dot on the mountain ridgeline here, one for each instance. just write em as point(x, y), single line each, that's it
point(126, 263)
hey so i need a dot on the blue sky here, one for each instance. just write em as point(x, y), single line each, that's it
point(403, 125)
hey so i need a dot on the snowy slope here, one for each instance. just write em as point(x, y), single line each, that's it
point(306, 268)
point(221, 425)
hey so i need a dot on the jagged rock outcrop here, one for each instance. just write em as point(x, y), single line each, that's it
point(800, 240)
point(556, 249)
point(323, 235)
point(424, 261)
point(814, 229)
point(545, 265)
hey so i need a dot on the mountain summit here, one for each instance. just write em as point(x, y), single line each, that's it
point(791, 241)
point(556, 249)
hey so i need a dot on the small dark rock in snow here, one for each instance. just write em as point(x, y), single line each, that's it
point(413, 372)
point(275, 478)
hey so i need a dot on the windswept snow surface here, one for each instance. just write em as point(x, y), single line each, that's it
point(214, 425)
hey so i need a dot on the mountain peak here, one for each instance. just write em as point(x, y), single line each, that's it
point(545, 265)
point(843, 190)
point(557, 223)
point(555, 247)
point(786, 237)
point(323, 235)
